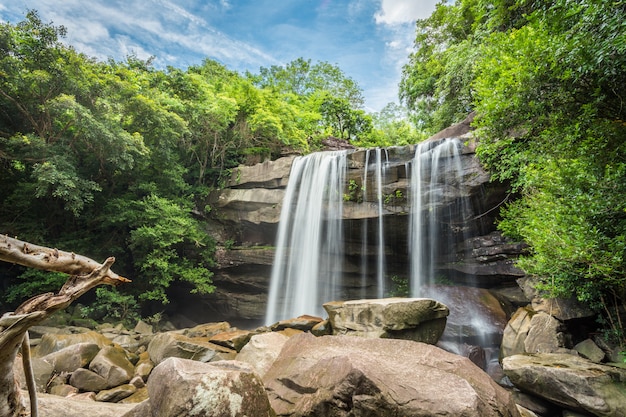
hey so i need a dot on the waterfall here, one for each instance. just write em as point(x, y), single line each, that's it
point(307, 265)
point(307, 269)
point(436, 168)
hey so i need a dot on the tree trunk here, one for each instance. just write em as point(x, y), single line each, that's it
point(85, 273)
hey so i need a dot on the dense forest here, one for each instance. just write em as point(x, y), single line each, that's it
point(117, 158)
point(547, 80)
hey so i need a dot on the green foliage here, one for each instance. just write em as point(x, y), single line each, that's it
point(546, 82)
point(33, 282)
point(400, 287)
point(113, 306)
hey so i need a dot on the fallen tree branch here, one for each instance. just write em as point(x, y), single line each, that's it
point(85, 273)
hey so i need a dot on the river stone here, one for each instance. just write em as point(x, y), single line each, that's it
point(144, 366)
point(182, 387)
point(86, 380)
point(170, 344)
point(570, 381)
point(419, 319)
point(262, 350)
point(63, 390)
point(112, 364)
point(207, 329)
point(354, 376)
point(116, 394)
point(54, 342)
point(72, 357)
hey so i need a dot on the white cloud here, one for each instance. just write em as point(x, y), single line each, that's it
point(394, 12)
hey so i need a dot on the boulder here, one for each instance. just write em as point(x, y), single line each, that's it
point(86, 380)
point(515, 332)
point(170, 344)
point(350, 376)
point(570, 381)
point(305, 323)
point(112, 364)
point(545, 335)
point(54, 406)
point(418, 319)
point(262, 350)
point(72, 357)
point(144, 366)
point(42, 372)
point(116, 394)
point(181, 387)
point(207, 329)
point(54, 342)
point(588, 349)
point(233, 339)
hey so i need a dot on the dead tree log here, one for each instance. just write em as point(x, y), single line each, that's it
point(84, 274)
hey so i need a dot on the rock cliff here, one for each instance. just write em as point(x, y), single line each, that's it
point(247, 211)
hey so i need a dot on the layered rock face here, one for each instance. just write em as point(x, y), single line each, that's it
point(248, 211)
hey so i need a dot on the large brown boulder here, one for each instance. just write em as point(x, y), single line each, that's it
point(113, 365)
point(349, 376)
point(571, 382)
point(182, 387)
point(171, 344)
point(418, 319)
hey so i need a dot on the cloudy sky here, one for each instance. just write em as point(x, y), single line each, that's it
point(369, 40)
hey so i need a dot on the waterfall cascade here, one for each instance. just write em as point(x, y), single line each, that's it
point(307, 264)
point(307, 269)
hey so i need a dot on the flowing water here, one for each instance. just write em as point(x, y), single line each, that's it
point(307, 269)
point(309, 249)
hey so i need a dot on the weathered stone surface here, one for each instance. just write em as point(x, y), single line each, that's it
point(262, 350)
point(571, 382)
point(54, 342)
point(170, 344)
point(234, 339)
point(181, 387)
point(269, 174)
point(207, 329)
point(253, 206)
point(86, 380)
point(112, 364)
point(140, 395)
point(545, 335)
point(116, 394)
point(350, 376)
point(304, 323)
point(72, 357)
point(54, 406)
point(588, 349)
point(144, 366)
point(143, 328)
point(63, 390)
point(515, 332)
point(419, 319)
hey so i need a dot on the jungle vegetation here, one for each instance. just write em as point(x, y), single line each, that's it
point(117, 158)
point(546, 80)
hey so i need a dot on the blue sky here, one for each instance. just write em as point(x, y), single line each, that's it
point(369, 40)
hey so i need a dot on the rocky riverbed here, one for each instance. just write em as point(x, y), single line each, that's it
point(347, 365)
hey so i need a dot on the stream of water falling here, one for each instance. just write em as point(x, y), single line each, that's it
point(309, 250)
point(308, 262)
point(437, 167)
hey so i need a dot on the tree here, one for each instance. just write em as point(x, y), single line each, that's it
point(85, 274)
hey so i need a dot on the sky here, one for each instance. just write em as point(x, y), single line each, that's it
point(369, 40)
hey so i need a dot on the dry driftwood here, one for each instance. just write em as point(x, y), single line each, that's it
point(84, 274)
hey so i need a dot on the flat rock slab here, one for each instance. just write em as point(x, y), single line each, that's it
point(570, 381)
point(418, 319)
